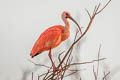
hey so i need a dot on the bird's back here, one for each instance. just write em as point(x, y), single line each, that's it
point(49, 39)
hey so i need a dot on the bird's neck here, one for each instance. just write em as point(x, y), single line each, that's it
point(67, 25)
point(66, 31)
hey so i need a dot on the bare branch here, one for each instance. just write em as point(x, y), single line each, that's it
point(47, 73)
point(94, 10)
point(60, 73)
point(71, 73)
point(103, 7)
point(105, 75)
point(88, 62)
point(38, 64)
point(97, 8)
point(32, 75)
point(95, 75)
point(92, 18)
point(88, 13)
point(98, 60)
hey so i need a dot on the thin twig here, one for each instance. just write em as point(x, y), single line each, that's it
point(80, 78)
point(98, 60)
point(71, 73)
point(95, 75)
point(104, 78)
point(94, 10)
point(38, 64)
point(60, 58)
point(47, 73)
point(32, 75)
point(60, 73)
point(103, 7)
point(88, 62)
point(97, 8)
point(76, 70)
point(88, 13)
point(38, 77)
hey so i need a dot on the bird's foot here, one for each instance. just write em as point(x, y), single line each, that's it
point(55, 68)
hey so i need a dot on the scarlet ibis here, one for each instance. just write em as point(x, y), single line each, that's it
point(52, 37)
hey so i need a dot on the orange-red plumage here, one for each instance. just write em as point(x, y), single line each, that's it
point(52, 37)
point(49, 39)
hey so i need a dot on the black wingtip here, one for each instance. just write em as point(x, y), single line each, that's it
point(34, 55)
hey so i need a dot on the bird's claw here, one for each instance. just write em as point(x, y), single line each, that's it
point(55, 68)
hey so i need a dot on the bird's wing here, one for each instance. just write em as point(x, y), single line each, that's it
point(48, 39)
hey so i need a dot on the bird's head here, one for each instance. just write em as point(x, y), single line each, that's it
point(66, 15)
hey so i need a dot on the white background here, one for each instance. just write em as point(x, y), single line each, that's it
point(22, 21)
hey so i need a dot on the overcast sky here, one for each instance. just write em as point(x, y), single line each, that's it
point(22, 21)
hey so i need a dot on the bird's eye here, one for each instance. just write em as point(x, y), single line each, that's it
point(66, 15)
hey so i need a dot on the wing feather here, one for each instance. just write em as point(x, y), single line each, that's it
point(48, 39)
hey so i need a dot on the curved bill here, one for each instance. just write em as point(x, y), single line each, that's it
point(75, 23)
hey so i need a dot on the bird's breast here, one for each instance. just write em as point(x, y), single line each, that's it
point(58, 41)
point(65, 35)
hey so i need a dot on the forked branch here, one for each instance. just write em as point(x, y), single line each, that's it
point(89, 24)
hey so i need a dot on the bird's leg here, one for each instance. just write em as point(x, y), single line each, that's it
point(50, 56)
